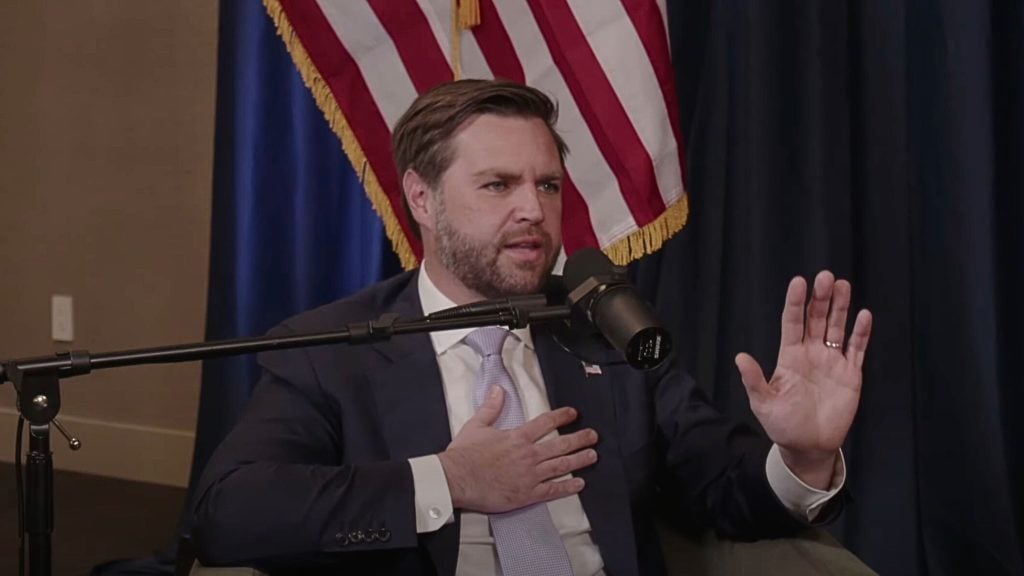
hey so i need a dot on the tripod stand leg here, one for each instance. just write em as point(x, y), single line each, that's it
point(39, 500)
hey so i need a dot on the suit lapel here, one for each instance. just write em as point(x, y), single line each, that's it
point(606, 497)
point(407, 387)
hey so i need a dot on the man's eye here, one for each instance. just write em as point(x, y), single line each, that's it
point(551, 187)
point(496, 186)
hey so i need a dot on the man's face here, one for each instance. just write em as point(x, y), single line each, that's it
point(499, 206)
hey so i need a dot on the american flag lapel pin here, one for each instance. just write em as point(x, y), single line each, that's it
point(591, 369)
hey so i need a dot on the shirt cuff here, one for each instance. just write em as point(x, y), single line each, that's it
point(432, 499)
point(800, 499)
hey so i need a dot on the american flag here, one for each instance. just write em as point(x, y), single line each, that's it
point(606, 63)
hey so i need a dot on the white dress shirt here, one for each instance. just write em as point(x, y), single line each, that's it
point(477, 554)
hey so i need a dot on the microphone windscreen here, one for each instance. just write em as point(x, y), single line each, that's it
point(555, 291)
point(583, 264)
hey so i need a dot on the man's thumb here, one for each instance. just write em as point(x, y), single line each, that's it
point(489, 411)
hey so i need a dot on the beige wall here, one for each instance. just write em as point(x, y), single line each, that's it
point(106, 143)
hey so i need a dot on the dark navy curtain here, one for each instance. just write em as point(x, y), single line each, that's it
point(883, 139)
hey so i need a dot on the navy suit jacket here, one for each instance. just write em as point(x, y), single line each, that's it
point(315, 474)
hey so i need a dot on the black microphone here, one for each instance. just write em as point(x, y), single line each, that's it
point(599, 289)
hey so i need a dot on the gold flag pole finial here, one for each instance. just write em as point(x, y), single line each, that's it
point(465, 15)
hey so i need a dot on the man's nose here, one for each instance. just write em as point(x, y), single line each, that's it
point(529, 207)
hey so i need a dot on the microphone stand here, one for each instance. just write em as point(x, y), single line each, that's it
point(37, 382)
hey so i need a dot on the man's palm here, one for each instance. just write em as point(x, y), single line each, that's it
point(809, 403)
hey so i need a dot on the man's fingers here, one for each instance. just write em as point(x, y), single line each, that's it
point(838, 312)
point(752, 375)
point(542, 425)
point(565, 444)
point(793, 312)
point(489, 411)
point(859, 338)
point(555, 489)
point(817, 308)
point(557, 467)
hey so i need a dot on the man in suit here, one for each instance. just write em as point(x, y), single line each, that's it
point(496, 452)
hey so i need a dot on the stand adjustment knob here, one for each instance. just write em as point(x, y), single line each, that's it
point(73, 443)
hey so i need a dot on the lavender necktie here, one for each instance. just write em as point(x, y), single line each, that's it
point(527, 541)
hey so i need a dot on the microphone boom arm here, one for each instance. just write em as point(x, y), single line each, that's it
point(37, 382)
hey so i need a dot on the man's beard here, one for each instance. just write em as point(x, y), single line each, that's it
point(477, 265)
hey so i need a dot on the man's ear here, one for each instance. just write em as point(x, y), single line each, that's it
point(419, 199)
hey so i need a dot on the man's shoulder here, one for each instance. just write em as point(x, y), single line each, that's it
point(397, 292)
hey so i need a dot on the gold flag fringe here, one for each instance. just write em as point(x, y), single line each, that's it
point(651, 237)
point(336, 119)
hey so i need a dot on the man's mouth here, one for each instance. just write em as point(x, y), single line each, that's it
point(527, 248)
point(531, 243)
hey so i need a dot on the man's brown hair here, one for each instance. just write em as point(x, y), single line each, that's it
point(421, 140)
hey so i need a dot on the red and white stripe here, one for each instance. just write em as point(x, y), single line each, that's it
point(606, 63)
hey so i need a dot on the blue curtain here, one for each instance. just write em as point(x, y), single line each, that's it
point(291, 225)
